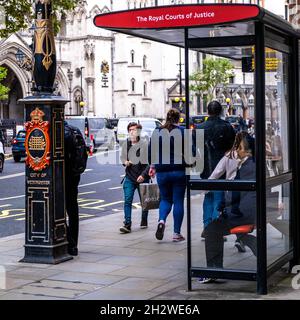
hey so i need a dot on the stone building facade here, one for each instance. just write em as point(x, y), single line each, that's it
point(113, 74)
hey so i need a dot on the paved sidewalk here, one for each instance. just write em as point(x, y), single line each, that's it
point(118, 267)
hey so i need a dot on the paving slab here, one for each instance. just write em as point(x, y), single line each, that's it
point(84, 277)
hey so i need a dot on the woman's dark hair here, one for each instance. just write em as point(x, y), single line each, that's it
point(134, 124)
point(249, 143)
point(173, 117)
point(214, 108)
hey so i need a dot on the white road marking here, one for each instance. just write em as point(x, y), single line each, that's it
point(5, 205)
point(122, 175)
point(90, 203)
point(114, 188)
point(15, 197)
point(92, 183)
point(136, 205)
point(87, 170)
point(87, 192)
point(13, 175)
point(12, 215)
point(104, 205)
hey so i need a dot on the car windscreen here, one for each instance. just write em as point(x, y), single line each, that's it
point(198, 120)
point(96, 123)
point(21, 134)
point(78, 123)
point(231, 119)
point(148, 125)
point(122, 124)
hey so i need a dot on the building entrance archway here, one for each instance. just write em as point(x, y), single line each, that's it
point(10, 108)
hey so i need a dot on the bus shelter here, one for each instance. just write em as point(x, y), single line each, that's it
point(266, 48)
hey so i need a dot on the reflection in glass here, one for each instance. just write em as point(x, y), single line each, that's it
point(277, 160)
point(278, 222)
point(236, 219)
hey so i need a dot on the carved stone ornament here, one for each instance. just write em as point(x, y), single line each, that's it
point(37, 141)
point(104, 67)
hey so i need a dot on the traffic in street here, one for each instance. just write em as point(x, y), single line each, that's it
point(100, 191)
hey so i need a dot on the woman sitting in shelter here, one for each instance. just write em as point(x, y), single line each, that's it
point(240, 209)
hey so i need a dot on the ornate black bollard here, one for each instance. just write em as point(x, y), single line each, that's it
point(45, 229)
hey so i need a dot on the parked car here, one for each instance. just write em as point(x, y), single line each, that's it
point(148, 124)
point(97, 131)
point(237, 122)
point(195, 121)
point(1, 156)
point(114, 124)
point(18, 146)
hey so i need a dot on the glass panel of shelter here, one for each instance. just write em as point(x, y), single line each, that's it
point(277, 154)
point(219, 211)
point(227, 253)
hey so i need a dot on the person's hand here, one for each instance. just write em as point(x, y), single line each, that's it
point(128, 163)
point(140, 179)
point(152, 172)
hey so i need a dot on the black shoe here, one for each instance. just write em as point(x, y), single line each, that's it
point(126, 228)
point(160, 231)
point(240, 246)
point(144, 224)
point(73, 251)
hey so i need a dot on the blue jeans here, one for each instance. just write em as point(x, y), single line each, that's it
point(129, 188)
point(212, 204)
point(172, 186)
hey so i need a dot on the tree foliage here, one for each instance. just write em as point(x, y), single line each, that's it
point(3, 90)
point(19, 14)
point(214, 72)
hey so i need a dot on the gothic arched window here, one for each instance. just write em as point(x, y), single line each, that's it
point(133, 85)
point(144, 62)
point(132, 56)
point(133, 111)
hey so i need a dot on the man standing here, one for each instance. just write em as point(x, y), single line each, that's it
point(218, 138)
point(75, 164)
point(134, 158)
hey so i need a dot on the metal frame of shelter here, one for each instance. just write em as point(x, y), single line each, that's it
point(268, 30)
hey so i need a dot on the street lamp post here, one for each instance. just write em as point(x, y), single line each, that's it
point(81, 95)
point(70, 77)
point(45, 227)
point(228, 100)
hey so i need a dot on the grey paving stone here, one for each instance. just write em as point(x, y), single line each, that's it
point(117, 294)
point(58, 284)
point(138, 284)
point(50, 292)
point(20, 296)
point(115, 251)
point(31, 273)
point(87, 267)
point(148, 273)
point(83, 277)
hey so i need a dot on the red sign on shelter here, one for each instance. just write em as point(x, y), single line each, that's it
point(176, 16)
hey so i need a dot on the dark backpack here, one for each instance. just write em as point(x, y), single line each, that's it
point(218, 139)
point(76, 150)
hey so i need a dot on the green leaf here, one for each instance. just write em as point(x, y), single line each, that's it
point(215, 72)
point(19, 14)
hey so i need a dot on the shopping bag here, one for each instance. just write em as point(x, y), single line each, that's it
point(150, 196)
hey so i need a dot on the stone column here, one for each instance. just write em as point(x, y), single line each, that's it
point(90, 95)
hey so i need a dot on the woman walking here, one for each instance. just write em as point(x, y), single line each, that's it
point(170, 174)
